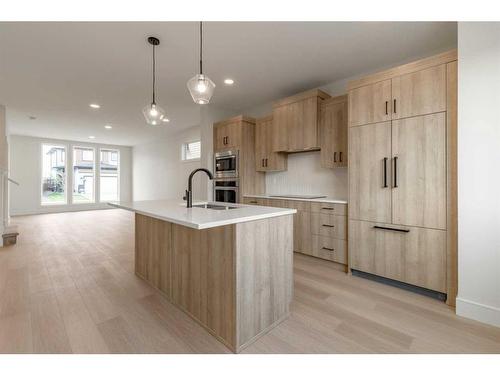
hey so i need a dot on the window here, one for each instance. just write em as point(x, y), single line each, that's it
point(53, 174)
point(87, 154)
point(191, 150)
point(83, 175)
point(110, 175)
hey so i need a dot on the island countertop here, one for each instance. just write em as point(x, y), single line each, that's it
point(175, 211)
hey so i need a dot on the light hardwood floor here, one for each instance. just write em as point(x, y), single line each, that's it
point(68, 286)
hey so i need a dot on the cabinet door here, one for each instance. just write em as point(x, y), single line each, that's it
point(308, 111)
point(370, 104)
point(219, 138)
point(265, 159)
point(417, 256)
point(419, 93)
point(419, 177)
point(333, 134)
point(301, 226)
point(369, 172)
point(303, 124)
point(279, 128)
point(233, 135)
point(260, 145)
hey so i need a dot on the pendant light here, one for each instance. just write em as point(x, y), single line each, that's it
point(153, 113)
point(200, 86)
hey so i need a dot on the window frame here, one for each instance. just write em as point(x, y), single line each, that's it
point(118, 171)
point(40, 180)
point(94, 197)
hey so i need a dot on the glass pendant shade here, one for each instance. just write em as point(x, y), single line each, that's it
point(201, 88)
point(153, 114)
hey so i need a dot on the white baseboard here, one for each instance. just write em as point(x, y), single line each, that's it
point(53, 210)
point(478, 311)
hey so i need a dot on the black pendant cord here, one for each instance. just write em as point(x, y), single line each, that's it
point(201, 47)
point(154, 74)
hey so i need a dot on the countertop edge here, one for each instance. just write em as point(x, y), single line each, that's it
point(317, 200)
point(220, 223)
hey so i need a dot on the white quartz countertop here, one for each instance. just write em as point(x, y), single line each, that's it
point(282, 196)
point(176, 212)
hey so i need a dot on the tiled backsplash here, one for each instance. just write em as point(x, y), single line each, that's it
point(306, 176)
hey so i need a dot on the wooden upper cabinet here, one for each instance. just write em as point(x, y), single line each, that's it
point(370, 104)
point(227, 134)
point(419, 93)
point(369, 172)
point(279, 129)
point(296, 122)
point(333, 132)
point(265, 159)
point(419, 176)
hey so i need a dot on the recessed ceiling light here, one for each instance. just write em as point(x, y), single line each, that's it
point(108, 127)
point(228, 81)
point(91, 136)
point(94, 105)
point(165, 119)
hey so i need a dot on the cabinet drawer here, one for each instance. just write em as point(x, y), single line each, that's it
point(280, 203)
point(329, 208)
point(329, 225)
point(255, 201)
point(329, 248)
point(298, 205)
point(414, 255)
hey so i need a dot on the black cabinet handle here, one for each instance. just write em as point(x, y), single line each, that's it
point(385, 172)
point(266, 162)
point(340, 156)
point(395, 171)
point(393, 229)
point(386, 107)
point(328, 226)
point(328, 248)
point(335, 157)
point(394, 105)
point(327, 208)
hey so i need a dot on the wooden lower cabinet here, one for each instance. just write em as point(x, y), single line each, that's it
point(318, 227)
point(329, 225)
point(255, 201)
point(415, 257)
point(235, 280)
point(330, 248)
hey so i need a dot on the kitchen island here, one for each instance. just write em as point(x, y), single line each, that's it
point(229, 266)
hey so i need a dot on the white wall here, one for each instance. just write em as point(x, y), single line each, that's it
point(25, 168)
point(160, 172)
point(4, 166)
point(479, 171)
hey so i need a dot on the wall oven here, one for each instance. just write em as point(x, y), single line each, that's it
point(226, 191)
point(226, 164)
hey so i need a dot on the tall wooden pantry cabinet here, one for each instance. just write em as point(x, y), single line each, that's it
point(402, 174)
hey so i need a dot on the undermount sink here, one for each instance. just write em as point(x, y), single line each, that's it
point(213, 206)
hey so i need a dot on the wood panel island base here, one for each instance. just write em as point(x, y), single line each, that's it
point(235, 279)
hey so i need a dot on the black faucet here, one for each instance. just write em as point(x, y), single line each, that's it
point(189, 192)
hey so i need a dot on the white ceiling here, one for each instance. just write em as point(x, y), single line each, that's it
point(54, 70)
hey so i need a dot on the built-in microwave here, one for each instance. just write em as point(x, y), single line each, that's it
point(226, 191)
point(226, 164)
